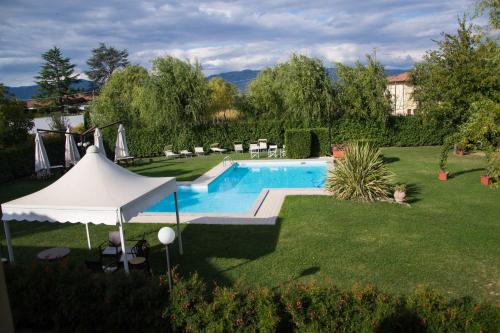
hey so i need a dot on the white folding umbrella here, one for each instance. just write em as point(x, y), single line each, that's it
point(42, 164)
point(71, 154)
point(98, 142)
point(121, 147)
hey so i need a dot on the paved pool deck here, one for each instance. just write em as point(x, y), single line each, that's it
point(265, 210)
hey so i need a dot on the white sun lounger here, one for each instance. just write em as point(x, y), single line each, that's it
point(199, 151)
point(186, 153)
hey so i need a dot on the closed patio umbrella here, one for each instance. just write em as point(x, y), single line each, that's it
point(121, 148)
point(98, 142)
point(71, 154)
point(42, 164)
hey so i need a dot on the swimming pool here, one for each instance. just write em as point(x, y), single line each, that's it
point(236, 190)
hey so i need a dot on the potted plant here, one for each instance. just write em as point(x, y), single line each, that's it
point(400, 193)
point(443, 174)
point(492, 170)
point(338, 151)
point(459, 149)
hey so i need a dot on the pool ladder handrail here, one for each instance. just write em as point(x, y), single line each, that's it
point(226, 160)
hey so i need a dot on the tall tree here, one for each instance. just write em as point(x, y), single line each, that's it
point(222, 96)
point(119, 98)
point(176, 94)
point(463, 69)
point(56, 76)
point(361, 92)
point(15, 121)
point(103, 62)
point(298, 91)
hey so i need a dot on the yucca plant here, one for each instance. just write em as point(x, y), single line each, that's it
point(361, 174)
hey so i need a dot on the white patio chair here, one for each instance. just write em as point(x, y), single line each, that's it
point(263, 144)
point(199, 151)
point(272, 151)
point(283, 152)
point(254, 150)
point(186, 153)
point(238, 148)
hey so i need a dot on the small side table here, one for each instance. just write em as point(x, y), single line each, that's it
point(54, 253)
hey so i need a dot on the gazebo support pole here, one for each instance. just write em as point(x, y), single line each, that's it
point(124, 249)
point(88, 235)
point(181, 251)
point(9, 241)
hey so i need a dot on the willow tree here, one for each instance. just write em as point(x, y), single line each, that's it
point(176, 95)
point(298, 91)
point(361, 92)
point(119, 98)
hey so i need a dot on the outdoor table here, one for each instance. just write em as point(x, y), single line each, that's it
point(53, 253)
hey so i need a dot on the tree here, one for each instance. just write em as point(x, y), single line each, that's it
point(176, 95)
point(103, 62)
point(222, 96)
point(492, 8)
point(15, 121)
point(119, 98)
point(56, 76)
point(463, 70)
point(361, 92)
point(298, 91)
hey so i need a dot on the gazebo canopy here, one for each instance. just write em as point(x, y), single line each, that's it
point(95, 190)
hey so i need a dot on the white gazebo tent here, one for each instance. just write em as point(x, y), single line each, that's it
point(95, 190)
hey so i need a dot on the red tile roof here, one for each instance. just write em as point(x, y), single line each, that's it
point(403, 77)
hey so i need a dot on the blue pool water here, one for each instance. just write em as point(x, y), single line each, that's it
point(236, 190)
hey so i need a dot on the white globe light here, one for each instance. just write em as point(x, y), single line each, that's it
point(166, 235)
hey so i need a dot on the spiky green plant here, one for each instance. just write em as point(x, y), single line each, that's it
point(361, 175)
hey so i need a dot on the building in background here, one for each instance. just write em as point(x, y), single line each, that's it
point(401, 90)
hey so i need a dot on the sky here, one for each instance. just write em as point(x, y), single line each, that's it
point(222, 35)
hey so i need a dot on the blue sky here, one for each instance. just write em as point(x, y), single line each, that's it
point(222, 35)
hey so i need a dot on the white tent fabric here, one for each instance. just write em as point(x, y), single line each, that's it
point(71, 154)
point(98, 142)
point(42, 164)
point(95, 190)
point(121, 147)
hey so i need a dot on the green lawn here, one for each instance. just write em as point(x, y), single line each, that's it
point(449, 238)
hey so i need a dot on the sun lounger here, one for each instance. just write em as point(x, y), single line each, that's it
point(186, 153)
point(199, 151)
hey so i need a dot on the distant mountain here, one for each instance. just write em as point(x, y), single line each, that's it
point(28, 92)
point(242, 78)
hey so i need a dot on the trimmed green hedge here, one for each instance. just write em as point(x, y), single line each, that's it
point(62, 297)
point(320, 142)
point(298, 143)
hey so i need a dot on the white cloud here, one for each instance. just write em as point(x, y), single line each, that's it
point(223, 36)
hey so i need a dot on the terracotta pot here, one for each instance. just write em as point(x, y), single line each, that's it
point(338, 153)
point(485, 180)
point(399, 196)
point(459, 152)
point(443, 175)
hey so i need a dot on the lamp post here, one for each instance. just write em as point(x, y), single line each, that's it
point(166, 236)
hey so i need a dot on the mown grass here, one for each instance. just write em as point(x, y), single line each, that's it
point(447, 238)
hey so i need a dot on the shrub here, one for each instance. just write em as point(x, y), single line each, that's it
point(320, 142)
point(63, 297)
point(298, 143)
point(361, 174)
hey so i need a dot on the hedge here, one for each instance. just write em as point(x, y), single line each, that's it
point(320, 142)
point(62, 297)
point(19, 161)
point(298, 143)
